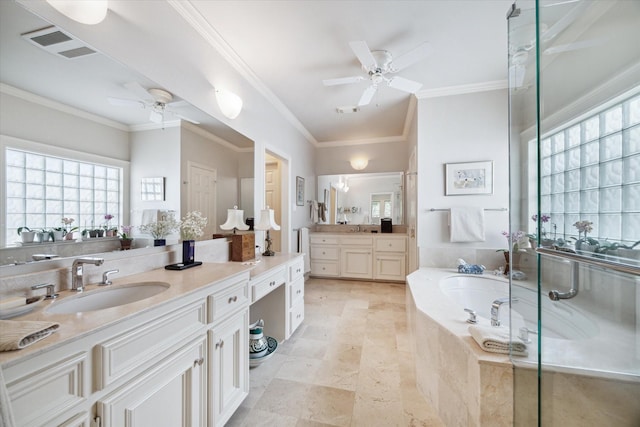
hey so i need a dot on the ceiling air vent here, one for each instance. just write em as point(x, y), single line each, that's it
point(53, 40)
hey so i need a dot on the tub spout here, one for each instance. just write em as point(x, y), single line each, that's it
point(555, 295)
point(495, 309)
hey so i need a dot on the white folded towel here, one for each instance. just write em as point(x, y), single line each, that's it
point(496, 339)
point(18, 334)
point(466, 224)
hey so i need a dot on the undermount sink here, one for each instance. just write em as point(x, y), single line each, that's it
point(107, 298)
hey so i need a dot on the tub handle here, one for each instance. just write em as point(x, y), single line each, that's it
point(472, 316)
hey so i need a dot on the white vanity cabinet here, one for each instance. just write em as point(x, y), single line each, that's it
point(182, 362)
point(375, 256)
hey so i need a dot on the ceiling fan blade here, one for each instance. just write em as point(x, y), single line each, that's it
point(121, 102)
point(582, 44)
point(342, 81)
point(562, 23)
point(362, 51)
point(410, 58)
point(403, 84)
point(178, 104)
point(367, 95)
point(139, 91)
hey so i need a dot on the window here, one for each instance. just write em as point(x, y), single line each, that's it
point(591, 171)
point(43, 189)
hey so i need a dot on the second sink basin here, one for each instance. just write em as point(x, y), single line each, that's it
point(107, 298)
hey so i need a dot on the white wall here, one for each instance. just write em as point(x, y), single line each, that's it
point(383, 157)
point(461, 128)
point(155, 153)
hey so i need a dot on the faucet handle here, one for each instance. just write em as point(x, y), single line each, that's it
point(50, 290)
point(472, 316)
point(105, 277)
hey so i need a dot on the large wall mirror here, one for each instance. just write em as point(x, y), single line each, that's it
point(361, 198)
point(94, 109)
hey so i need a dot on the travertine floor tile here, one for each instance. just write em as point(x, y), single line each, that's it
point(349, 364)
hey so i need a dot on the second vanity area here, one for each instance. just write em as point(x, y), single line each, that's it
point(189, 343)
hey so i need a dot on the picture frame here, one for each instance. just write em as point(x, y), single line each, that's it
point(299, 191)
point(470, 178)
point(152, 189)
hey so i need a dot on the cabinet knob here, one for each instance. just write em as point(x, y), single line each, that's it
point(198, 362)
point(233, 299)
point(324, 253)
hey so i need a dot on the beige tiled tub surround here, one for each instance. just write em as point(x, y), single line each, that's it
point(453, 372)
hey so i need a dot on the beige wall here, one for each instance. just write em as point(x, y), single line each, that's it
point(383, 157)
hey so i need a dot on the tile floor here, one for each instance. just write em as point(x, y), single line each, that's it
point(349, 364)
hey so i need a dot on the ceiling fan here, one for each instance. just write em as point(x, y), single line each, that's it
point(157, 100)
point(377, 64)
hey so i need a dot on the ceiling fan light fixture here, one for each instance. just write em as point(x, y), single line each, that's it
point(230, 104)
point(88, 12)
point(359, 163)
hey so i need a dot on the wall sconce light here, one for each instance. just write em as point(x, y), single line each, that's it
point(235, 220)
point(266, 223)
point(230, 104)
point(359, 164)
point(88, 12)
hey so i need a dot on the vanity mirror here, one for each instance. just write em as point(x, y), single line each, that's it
point(362, 198)
point(64, 108)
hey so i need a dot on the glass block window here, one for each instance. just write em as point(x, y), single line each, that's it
point(591, 171)
point(42, 189)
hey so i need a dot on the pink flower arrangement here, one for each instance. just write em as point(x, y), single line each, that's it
point(126, 231)
point(543, 218)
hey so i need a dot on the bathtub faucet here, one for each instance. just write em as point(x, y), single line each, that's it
point(573, 278)
point(495, 309)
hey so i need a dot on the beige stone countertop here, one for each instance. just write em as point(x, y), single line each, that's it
point(182, 283)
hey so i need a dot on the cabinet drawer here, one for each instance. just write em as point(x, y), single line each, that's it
point(324, 253)
point(296, 316)
point(386, 244)
point(38, 397)
point(296, 269)
point(136, 348)
point(296, 292)
point(228, 301)
point(263, 285)
point(324, 268)
point(316, 239)
point(352, 240)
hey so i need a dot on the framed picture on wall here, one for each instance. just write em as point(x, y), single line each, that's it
point(468, 178)
point(299, 191)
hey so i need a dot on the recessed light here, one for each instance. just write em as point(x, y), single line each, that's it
point(348, 109)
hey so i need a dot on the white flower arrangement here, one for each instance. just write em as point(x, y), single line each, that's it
point(161, 229)
point(193, 225)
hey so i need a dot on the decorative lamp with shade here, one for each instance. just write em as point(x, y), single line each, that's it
point(235, 220)
point(266, 223)
point(242, 245)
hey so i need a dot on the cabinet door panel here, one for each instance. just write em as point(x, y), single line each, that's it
point(356, 263)
point(390, 267)
point(228, 366)
point(173, 393)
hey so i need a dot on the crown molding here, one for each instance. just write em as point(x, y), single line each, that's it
point(462, 89)
point(206, 30)
point(347, 142)
point(58, 106)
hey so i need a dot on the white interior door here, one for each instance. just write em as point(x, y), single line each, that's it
point(272, 199)
point(202, 195)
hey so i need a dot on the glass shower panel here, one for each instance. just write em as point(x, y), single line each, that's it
point(588, 105)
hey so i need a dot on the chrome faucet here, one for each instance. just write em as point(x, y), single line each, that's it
point(495, 309)
point(77, 273)
point(573, 279)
